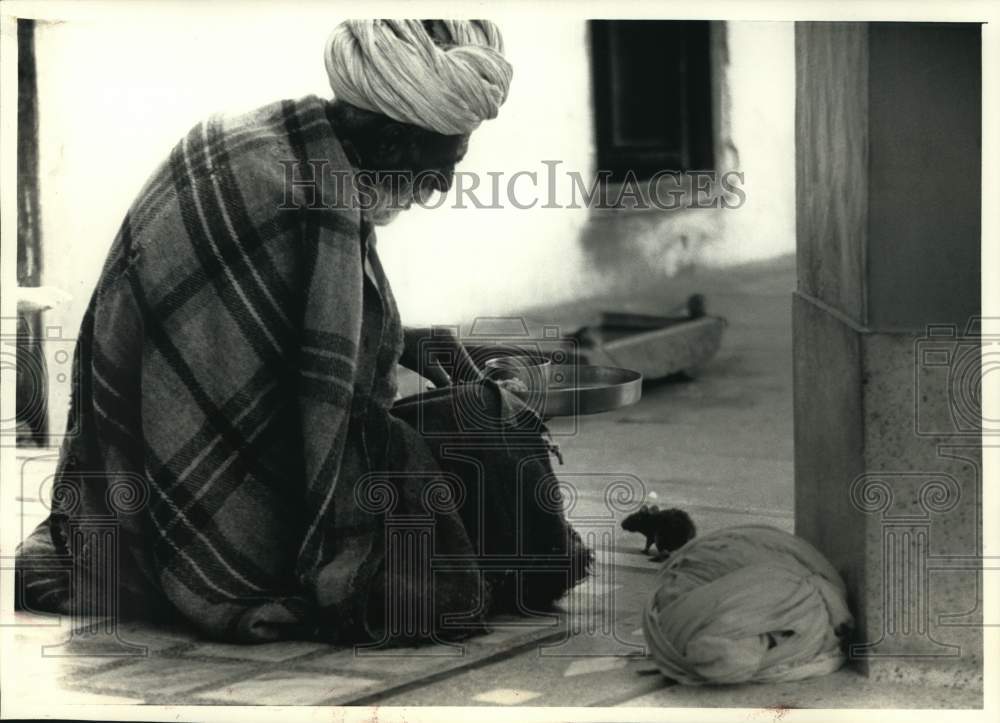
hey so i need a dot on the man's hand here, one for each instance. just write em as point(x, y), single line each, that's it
point(437, 355)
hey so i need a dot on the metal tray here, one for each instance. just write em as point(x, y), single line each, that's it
point(572, 390)
point(585, 389)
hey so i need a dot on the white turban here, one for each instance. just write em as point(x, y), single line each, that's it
point(747, 604)
point(393, 67)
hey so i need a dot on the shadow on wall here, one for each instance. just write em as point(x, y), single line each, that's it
point(629, 247)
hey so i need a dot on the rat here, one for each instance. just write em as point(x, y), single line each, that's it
point(669, 529)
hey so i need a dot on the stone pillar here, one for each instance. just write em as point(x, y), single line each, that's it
point(886, 336)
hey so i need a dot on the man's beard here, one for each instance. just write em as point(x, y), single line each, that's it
point(383, 217)
point(390, 201)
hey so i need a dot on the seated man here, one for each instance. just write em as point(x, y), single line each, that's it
point(235, 382)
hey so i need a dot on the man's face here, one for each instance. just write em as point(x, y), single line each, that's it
point(397, 192)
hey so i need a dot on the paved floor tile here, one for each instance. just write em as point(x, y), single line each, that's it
point(506, 696)
point(410, 660)
point(511, 630)
point(157, 638)
point(389, 662)
point(288, 688)
point(162, 677)
point(842, 689)
point(46, 652)
point(265, 652)
point(588, 666)
point(66, 696)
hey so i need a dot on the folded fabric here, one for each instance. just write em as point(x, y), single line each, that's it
point(747, 604)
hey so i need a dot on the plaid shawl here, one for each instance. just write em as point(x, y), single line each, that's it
point(235, 339)
point(233, 382)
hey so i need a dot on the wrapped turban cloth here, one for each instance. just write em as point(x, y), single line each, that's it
point(747, 604)
point(394, 67)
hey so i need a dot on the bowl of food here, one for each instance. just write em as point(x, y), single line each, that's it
point(520, 373)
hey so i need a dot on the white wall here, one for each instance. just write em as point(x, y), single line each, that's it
point(113, 99)
point(450, 264)
point(760, 83)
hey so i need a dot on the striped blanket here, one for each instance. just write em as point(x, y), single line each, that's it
point(231, 415)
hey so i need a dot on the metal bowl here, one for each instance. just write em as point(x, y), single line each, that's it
point(532, 369)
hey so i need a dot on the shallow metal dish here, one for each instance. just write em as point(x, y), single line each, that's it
point(584, 389)
point(571, 390)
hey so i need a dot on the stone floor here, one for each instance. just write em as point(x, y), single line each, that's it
point(718, 445)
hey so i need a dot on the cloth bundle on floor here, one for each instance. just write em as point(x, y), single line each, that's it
point(747, 604)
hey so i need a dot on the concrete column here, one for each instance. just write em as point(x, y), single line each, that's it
point(887, 373)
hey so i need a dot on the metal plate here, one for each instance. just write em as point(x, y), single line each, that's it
point(583, 389)
point(572, 390)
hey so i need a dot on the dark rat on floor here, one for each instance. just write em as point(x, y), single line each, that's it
point(668, 529)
